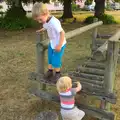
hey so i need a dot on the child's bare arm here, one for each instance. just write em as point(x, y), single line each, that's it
point(62, 35)
point(42, 29)
point(79, 86)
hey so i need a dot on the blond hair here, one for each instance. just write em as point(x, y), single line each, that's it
point(38, 9)
point(64, 83)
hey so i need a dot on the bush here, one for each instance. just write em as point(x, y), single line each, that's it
point(75, 7)
point(107, 19)
point(15, 12)
point(16, 23)
point(15, 19)
point(89, 19)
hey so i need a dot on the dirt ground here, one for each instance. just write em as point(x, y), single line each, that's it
point(17, 59)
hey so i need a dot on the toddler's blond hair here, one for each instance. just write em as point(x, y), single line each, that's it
point(38, 9)
point(64, 83)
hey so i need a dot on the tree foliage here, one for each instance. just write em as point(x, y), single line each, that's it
point(88, 2)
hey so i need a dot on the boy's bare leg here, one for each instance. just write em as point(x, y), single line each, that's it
point(50, 67)
point(57, 69)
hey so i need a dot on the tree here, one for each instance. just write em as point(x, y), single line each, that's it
point(99, 8)
point(67, 9)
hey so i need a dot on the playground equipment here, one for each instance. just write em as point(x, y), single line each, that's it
point(97, 74)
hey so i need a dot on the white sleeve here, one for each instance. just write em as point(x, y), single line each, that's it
point(57, 26)
point(45, 26)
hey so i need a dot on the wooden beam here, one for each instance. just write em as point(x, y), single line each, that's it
point(95, 82)
point(91, 71)
point(104, 36)
point(100, 53)
point(96, 65)
point(40, 53)
point(91, 85)
point(111, 64)
point(115, 37)
point(95, 112)
point(89, 76)
point(94, 35)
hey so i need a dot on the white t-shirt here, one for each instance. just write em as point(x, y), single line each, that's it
point(53, 27)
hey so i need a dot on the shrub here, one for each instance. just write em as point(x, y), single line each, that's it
point(16, 23)
point(15, 12)
point(107, 19)
point(75, 7)
point(15, 19)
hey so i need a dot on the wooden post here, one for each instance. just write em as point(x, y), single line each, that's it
point(112, 57)
point(40, 54)
point(94, 36)
point(100, 53)
point(47, 116)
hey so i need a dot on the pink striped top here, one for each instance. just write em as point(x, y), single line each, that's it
point(67, 99)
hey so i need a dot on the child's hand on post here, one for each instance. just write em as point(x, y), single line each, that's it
point(79, 87)
point(78, 83)
point(40, 30)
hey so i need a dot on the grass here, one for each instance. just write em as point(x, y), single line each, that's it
point(81, 15)
point(17, 59)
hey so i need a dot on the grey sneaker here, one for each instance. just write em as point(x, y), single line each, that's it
point(48, 74)
point(56, 77)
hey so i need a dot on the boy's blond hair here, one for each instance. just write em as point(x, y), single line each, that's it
point(64, 83)
point(38, 9)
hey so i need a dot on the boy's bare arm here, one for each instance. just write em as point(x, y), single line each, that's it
point(42, 29)
point(62, 35)
point(79, 86)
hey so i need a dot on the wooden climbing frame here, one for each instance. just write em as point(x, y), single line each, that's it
point(96, 75)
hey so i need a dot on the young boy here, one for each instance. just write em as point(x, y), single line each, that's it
point(56, 35)
point(68, 110)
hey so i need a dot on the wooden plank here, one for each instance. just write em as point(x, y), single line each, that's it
point(100, 53)
point(95, 112)
point(104, 36)
point(89, 76)
point(91, 71)
point(39, 53)
point(91, 85)
point(87, 80)
point(95, 65)
point(110, 97)
point(40, 56)
point(94, 35)
point(115, 37)
point(100, 42)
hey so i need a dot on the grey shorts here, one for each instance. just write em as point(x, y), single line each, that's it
point(74, 114)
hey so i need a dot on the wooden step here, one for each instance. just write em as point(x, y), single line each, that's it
point(91, 71)
point(96, 82)
point(97, 65)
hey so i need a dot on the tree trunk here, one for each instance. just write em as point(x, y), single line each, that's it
point(67, 13)
point(99, 8)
